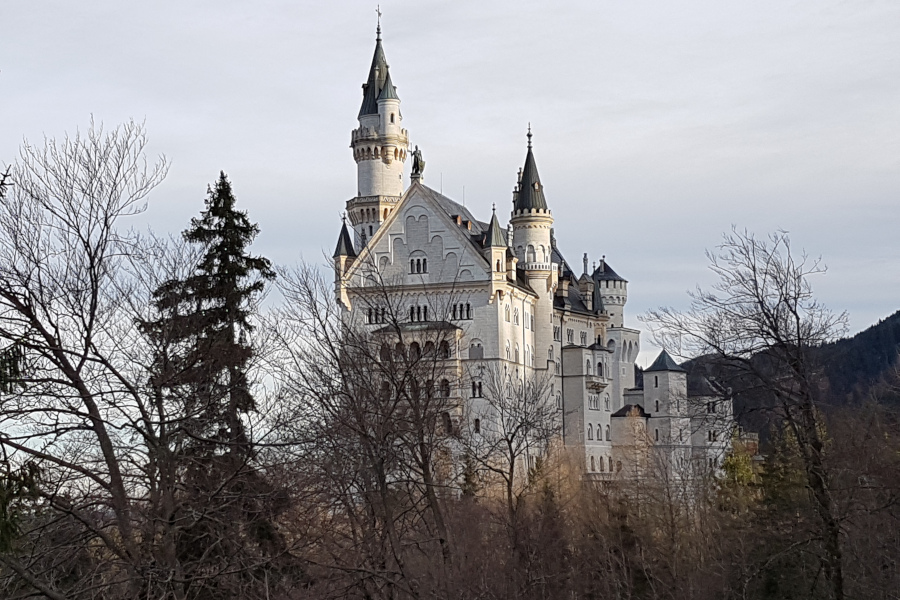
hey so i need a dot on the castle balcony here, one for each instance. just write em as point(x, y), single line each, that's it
point(596, 383)
point(538, 266)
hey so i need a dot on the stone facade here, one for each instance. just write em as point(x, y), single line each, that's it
point(513, 301)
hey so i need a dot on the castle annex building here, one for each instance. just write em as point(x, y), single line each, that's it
point(511, 300)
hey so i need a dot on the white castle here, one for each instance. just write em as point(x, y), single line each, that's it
point(511, 299)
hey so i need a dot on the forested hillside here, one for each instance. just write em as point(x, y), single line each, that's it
point(853, 365)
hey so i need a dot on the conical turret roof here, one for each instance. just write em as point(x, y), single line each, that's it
point(530, 191)
point(388, 91)
point(493, 237)
point(344, 244)
point(378, 72)
point(664, 362)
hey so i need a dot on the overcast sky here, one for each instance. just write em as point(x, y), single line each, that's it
point(657, 125)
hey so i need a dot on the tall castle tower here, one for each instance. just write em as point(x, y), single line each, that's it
point(379, 146)
point(532, 222)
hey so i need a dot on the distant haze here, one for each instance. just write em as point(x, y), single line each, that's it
point(657, 125)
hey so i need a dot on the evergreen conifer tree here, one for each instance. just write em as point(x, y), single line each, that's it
point(202, 354)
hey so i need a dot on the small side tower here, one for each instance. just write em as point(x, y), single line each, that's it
point(495, 250)
point(613, 292)
point(343, 256)
point(380, 146)
point(532, 221)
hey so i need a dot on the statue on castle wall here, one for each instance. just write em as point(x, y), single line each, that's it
point(418, 164)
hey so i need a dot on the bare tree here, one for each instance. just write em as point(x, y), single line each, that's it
point(378, 395)
point(512, 429)
point(760, 322)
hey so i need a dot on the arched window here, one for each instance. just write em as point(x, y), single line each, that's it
point(610, 464)
point(601, 464)
point(590, 431)
point(369, 316)
point(607, 434)
point(507, 351)
point(445, 388)
point(444, 350)
point(385, 353)
point(424, 313)
point(468, 310)
point(516, 316)
point(412, 313)
point(448, 423)
point(454, 311)
point(506, 310)
point(606, 401)
point(600, 369)
point(529, 255)
point(656, 381)
point(474, 390)
point(418, 265)
point(418, 313)
point(587, 367)
point(424, 265)
point(415, 351)
point(429, 348)
point(592, 464)
point(480, 391)
point(477, 425)
point(550, 353)
point(498, 266)
point(392, 120)
point(399, 350)
point(517, 353)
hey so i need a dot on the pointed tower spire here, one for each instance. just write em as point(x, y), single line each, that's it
point(377, 74)
point(530, 192)
point(494, 235)
point(345, 243)
point(388, 91)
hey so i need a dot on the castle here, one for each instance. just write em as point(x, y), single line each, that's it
point(511, 298)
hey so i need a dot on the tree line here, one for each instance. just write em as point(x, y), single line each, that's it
point(165, 436)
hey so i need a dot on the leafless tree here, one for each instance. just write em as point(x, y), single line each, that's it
point(512, 429)
point(760, 321)
point(375, 401)
point(108, 505)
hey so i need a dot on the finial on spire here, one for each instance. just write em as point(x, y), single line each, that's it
point(344, 217)
point(378, 30)
point(494, 206)
point(529, 134)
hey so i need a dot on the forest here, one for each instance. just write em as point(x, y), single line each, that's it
point(183, 419)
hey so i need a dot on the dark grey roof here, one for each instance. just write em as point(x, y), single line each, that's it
point(344, 244)
point(664, 362)
point(377, 74)
point(626, 411)
point(494, 237)
point(530, 192)
point(450, 207)
point(388, 91)
point(604, 272)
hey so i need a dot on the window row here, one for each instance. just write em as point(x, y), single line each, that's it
point(461, 311)
point(415, 351)
point(600, 432)
point(602, 463)
point(418, 313)
point(443, 389)
point(376, 314)
point(418, 265)
point(594, 401)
